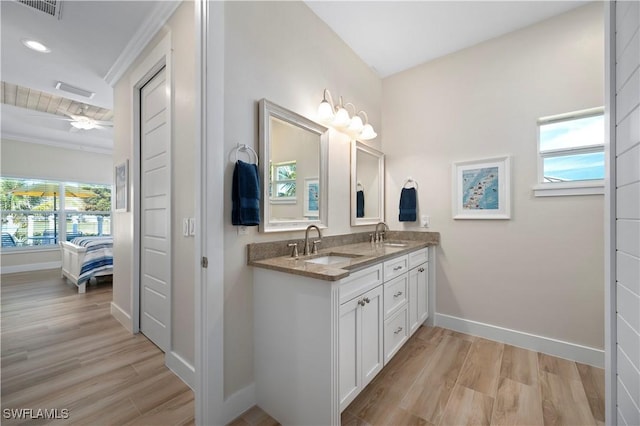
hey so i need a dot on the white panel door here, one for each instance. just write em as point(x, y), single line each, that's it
point(155, 238)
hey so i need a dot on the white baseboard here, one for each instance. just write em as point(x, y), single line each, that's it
point(239, 402)
point(185, 371)
point(28, 267)
point(559, 348)
point(122, 317)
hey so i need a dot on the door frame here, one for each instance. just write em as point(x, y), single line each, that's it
point(158, 58)
point(209, 281)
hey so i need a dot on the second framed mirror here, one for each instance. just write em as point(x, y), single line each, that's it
point(367, 185)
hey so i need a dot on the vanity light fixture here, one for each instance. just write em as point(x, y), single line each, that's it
point(338, 117)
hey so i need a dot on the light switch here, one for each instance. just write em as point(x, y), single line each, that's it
point(424, 221)
point(185, 227)
point(192, 226)
point(242, 230)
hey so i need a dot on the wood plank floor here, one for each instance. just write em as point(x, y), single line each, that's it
point(441, 377)
point(63, 350)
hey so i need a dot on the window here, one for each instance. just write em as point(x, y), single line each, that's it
point(571, 154)
point(37, 213)
point(283, 182)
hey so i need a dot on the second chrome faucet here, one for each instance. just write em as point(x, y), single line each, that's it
point(380, 235)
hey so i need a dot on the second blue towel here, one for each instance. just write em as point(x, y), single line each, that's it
point(408, 205)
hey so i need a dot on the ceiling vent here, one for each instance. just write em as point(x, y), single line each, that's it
point(75, 90)
point(50, 7)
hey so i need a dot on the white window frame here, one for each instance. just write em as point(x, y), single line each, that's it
point(60, 216)
point(274, 182)
point(582, 187)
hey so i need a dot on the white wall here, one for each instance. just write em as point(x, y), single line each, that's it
point(22, 159)
point(542, 271)
point(283, 52)
point(30, 160)
point(181, 26)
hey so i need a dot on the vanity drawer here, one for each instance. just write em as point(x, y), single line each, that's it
point(395, 294)
point(360, 282)
point(418, 257)
point(396, 333)
point(395, 267)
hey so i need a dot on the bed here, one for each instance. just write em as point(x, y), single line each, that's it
point(86, 257)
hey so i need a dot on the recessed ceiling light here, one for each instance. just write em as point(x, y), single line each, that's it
point(35, 45)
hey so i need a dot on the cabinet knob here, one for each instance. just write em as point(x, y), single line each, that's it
point(367, 300)
point(361, 302)
point(398, 294)
point(421, 270)
point(398, 330)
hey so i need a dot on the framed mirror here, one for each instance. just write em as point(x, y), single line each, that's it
point(293, 170)
point(367, 185)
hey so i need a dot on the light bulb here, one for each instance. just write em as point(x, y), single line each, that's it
point(368, 132)
point(356, 125)
point(342, 119)
point(83, 123)
point(35, 45)
point(325, 112)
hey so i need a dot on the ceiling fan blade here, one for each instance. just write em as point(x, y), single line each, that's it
point(104, 123)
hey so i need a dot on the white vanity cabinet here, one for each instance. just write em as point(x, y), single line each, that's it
point(318, 343)
point(418, 289)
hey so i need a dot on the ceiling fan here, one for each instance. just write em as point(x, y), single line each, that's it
point(81, 121)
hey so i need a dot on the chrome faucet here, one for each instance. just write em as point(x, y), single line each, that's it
point(315, 243)
point(379, 236)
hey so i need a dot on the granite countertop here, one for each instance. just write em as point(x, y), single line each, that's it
point(360, 255)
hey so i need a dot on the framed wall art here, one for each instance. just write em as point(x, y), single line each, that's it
point(311, 197)
point(482, 189)
point(121, 183)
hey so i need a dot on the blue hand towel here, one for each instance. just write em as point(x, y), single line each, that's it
point(408, 205)
point(245, 194)
point(360, 203)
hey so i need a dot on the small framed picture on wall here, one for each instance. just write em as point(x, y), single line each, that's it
point(121, 185)
point(481, 189)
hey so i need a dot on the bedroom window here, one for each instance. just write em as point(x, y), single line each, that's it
point(571, 154)
point(39, 213)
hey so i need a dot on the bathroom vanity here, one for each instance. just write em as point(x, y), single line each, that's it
point(326, 324)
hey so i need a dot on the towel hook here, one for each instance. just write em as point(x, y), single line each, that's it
point(359, 185)
point(408, 181)
point(243, 148)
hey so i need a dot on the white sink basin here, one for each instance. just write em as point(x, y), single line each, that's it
point(395, 244)
point(328, 260)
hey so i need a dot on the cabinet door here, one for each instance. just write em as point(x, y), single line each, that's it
point(350, 352)
point(372, 334)
point(423, 292)
point(414, 302)
point(396, 333)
